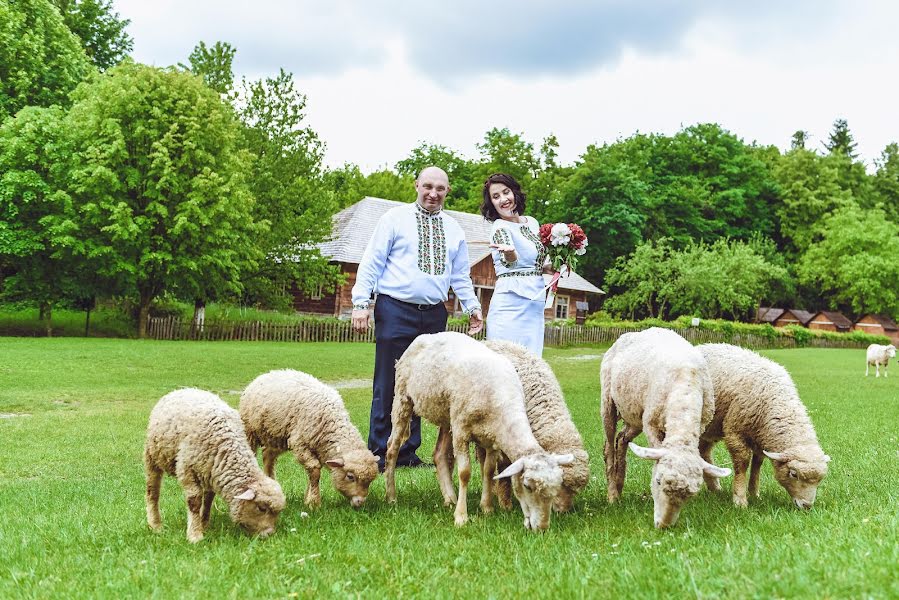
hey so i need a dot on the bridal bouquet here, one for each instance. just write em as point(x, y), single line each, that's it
point(564, 243)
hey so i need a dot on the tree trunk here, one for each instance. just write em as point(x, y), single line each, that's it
point(45, 314)
point(143, 313)
point(199, 316)
point(87, 322)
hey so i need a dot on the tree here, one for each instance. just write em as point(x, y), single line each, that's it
point(799, 140)
point(840, 141)
point(41, 61)
point(100, 30)
point(157, 181)
point(286, 179)
point(886, 181)
point(213, 64)
point(853, 261)
point(637, 283)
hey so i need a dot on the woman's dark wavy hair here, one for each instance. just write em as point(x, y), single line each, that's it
point(487, 208)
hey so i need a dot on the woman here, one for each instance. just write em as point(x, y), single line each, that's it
point(516, 309)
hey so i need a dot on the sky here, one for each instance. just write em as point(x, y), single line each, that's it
point(382, 77)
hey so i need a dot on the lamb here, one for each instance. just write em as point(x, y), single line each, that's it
point(291, 410)
point(197, 438)
point(550, 422)
point(472, 394)
point(879, 356)
point(656, 382)
point(758, 413)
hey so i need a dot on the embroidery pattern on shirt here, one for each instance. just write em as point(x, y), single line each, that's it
point(541, 251)
point(431, 242)
point(503, 237)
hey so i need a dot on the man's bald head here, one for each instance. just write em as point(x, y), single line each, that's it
point(432, 186)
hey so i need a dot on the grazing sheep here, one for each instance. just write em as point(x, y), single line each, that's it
point(472, 394)
point(290, 410)
point(658, 383)
point(758, 413)
point(197, 438)
point(879, 356)
point(550, 421)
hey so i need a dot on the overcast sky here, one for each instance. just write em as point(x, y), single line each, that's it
point(383, 76)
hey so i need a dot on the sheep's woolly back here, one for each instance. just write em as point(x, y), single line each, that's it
point(197, 429)
point(547, 412)
point(290, 409)
point(756, 397)
point(452, 374)
point(659, 382)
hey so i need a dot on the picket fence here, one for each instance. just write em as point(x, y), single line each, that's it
point(175, 328)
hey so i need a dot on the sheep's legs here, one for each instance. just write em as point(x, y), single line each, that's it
point(741, 455)
point(443, 461)
point(313, 493)
point(625, 437)
point(610, 422)
point(193, 494)
point(400, 417)
point(705, 451)
point(754, 472)
point(488, 466)
point(154, 481)
point(269, 457)
point(206, 509)
point(464, 461)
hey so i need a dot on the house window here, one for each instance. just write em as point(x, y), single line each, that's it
point(317, 294)
point(561, 307)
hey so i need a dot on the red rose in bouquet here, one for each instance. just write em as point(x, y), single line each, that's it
point(564, 243)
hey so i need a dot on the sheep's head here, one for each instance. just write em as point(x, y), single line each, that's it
point(256, 509)
point(536, 481)
point(676, 477)
point(575, 477)
point(891, 351)
point(352, 474)
point(800, 471)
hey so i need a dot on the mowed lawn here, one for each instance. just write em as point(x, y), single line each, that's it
point(72, 520)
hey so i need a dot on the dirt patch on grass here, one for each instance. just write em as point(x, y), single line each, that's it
point(581, 357)
point(351, 384)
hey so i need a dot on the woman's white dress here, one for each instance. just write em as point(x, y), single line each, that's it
point(516, 308)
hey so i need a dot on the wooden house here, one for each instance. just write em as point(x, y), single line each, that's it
point(768, 314)
point(878, 325)
point(354, 226)
point(830, 321)
point(793, 316)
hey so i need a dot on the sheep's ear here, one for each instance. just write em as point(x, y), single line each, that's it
point(714, 470)
point(563, 459)
point(248, 494)
point(776, 456)
point(648, 453)
point(334, 462)
point(514, 469)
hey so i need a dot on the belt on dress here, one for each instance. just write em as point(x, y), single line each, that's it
point(520, 274)
point(421, 307)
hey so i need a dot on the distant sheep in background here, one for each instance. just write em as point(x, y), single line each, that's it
point(656, 382)
point(879, 356)
point(291, 410)
point(758, 413)
point(197, 438)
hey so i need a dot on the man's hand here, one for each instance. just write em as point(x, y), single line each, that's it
point(475, 322)
point(361, 319)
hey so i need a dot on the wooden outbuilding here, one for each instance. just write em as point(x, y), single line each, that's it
point(793, 316)
point(830, 321)
point(353, 227)
point(768, 314)
point(878, 325)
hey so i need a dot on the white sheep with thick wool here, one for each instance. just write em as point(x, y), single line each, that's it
point(473, 395)
point(758, 413)
point(879, 355)
point(196, 437)
point(290, 410)
point(657, 383)
point(550, 421)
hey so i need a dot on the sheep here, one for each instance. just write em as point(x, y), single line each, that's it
point(758, 413)
point(878, 356)
point(472, 394)
point(291, 410)
point(656, 382)
point(197, 438)
point(550, 422)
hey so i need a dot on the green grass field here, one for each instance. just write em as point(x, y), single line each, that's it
point(72, 521)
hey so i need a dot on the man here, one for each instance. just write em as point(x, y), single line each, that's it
point(415, 255)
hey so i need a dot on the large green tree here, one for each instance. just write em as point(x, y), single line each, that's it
point(158, 184)
point(99, 28)
point(853, 261)
point(41, 60)
point(214, 65)
point(886, 181)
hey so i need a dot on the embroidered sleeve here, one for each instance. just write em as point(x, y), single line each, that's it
point(503, 237)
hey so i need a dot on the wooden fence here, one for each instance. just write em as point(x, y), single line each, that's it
point(174, 328)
